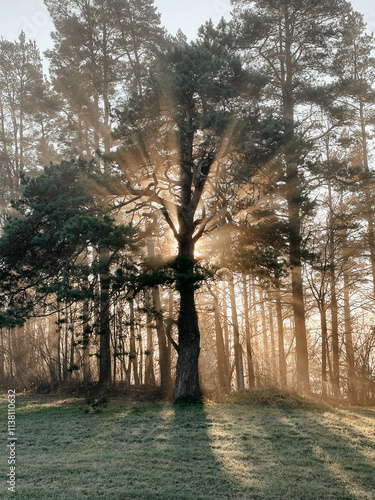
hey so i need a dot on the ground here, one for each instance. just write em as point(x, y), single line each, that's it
point(132, 450)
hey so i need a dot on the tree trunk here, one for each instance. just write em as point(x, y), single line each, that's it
point(65, 353)
point(86, 331)
point(236, 336)
point(187, 377)
point(164, 351)
point(294, 217)
point(352, 392)
point(280, 335)
point(323, 324)
point(222, 364)
point(368, 187)
point(334, 308)
point(133, 350)
point(104, 324)
point(273, 347)
point(2, 357)
point(249, 351)
point(72, 342)
point(266, 355)
point(149, 364)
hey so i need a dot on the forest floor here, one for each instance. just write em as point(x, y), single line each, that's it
point(132, 450)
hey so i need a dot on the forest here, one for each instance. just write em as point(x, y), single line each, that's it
point(194, 216)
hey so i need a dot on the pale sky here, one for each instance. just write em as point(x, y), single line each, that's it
point(32, 17)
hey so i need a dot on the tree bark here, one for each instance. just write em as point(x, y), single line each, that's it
point(352, 391)
point(266, 355)
point(249, 350)
point(236, 336)
point(222, 360)
point(104, 323)
point(149, 363)
point(273, 346)
point(280, 335)
point(334, 308)
point(323, 325)
point(187, 379)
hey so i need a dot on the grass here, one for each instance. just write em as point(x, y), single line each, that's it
point(213, 451)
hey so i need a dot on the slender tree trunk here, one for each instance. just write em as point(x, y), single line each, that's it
point(222, 364)
point(352, 392)
point(10, 354)
point(236, 336)
point(323, 326)
point(294, 216)
point(104, 323)
point(72, 342)
point(225, 325)
point(255, 319)
point(164, 351)
point(133, 350)
point(266, 355)
point(368, 186)
point(249, 351)
point(334, 308)
point(52, 348)
point(65, 353)
point(59, 368)
point(149, 364)
point(115, 351)
point(2, 357)
point(280, 335)
point(86, 331)
point(273, 346)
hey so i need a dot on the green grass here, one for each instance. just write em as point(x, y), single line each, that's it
point(213, 451)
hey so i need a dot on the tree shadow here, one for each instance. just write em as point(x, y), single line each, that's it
point(300, 454)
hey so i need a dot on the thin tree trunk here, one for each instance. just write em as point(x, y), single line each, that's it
point(280, 335)
point(249, 351)
point(72, 342)
point(225, 324)
point(368, 189)
point(2, 357)
point(323, 325)
point(222, 364)
point(294, 216)
point(266, 355)
point(334, 308)
point(352, 392)
point(236, 336)
point(65, 354)
point(86, 331)
point(273, 347)
point(133, 350)
point(149, 365)
point(104, 323)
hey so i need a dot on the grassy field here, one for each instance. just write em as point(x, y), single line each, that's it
point(212, 451)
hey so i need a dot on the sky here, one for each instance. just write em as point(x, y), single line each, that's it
point(32, 17)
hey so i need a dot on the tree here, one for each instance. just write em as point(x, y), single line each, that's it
point(24, 128)
point(60, 217)
point(290, 42)
point(101, 52)
point(178, 135)
point(355, 68)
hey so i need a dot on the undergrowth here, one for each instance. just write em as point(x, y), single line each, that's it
point(270, 396)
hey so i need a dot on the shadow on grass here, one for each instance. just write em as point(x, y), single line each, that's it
point(167, 452)
point(302, 455)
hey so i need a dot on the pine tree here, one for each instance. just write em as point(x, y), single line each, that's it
point(290, 41)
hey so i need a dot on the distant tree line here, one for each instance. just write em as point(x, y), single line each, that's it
point(190, 215)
